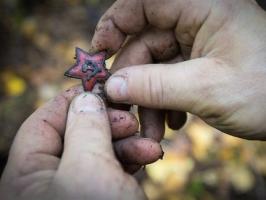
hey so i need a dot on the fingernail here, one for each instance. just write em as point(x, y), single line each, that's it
point(87, 103)
point(117, 88)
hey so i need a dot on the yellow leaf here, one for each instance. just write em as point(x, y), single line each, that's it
point(14, 85)
point(241, 177)
point(109, 62)
point(230, 141)
point(202, 137)
point(151, 190)
point(172, 171)
point(169, 133)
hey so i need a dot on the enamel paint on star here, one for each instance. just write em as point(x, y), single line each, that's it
point(90, 68)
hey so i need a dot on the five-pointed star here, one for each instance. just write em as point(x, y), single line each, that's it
point(90, 68)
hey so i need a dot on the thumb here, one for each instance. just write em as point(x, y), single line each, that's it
point(181, 86)
point(88, 166)
point(88, 131)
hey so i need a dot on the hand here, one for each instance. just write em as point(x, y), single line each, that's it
point(224, 82)
point(52, 159)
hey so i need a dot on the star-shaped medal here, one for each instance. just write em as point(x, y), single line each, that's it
point(90, 68)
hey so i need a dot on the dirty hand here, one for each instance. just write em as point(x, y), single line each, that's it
point(52, 159)
point(214, 55)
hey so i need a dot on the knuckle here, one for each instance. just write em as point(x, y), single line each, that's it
point(155, 88)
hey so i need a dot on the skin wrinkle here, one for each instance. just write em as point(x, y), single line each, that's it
point(148, 58)
point(149, 88)
point(154, 97)
point(201, 52)
point(205, 91)
point(24, 184)
point(181, 37)
point(54, 147)
point(161, 88)
point(27, 177)
point(50, 134)
point(143, 56)
point(141, 39)
point(193, 37)
point(56, 139)
point(144, 11)
point(122, 36)
point(66, 101)
point(57, 125)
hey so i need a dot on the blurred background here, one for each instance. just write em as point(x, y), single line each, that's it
point(37, 40)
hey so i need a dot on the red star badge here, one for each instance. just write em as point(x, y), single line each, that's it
point(90, 68)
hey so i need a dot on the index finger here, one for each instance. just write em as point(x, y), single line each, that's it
point(114, 24)
point(128, 17)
